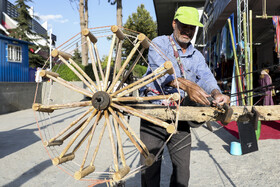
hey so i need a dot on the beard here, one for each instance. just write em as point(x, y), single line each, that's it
point(182, 37)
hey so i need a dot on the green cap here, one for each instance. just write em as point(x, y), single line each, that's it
point(188, 15)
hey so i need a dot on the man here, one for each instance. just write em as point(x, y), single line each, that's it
point(194, 79)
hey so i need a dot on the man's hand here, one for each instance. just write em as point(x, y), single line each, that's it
point(195, 93)
point(219, 98)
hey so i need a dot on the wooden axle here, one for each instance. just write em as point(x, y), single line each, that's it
point(169, 128)
point(84, 172)
point(121, 173)
point(115, 29)
point(56, 53)
point(202, 114)
point(65, 158)
point(92, 38)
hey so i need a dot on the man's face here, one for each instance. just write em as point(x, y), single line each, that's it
point(183, 33)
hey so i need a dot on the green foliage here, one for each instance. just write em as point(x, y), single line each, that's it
point(24, 21)
point(77, 56)
point(139, 71)
point(68, 75)
point(142, 22)
point(104, 62)
point(24, 28)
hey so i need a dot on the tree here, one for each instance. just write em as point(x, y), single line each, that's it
point(141, 21)
point(77, 56)
point(24, 21)
point(83, 12)
point(119, 23)
point(24, 32)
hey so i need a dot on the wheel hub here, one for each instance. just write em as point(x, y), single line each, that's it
point(101, 100)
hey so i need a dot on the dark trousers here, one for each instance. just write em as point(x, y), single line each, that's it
point(179, 147)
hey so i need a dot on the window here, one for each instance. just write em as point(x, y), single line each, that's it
point(14, 53)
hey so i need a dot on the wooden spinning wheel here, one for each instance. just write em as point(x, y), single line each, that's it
point(80, 140)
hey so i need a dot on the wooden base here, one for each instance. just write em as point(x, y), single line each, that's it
point(150, 160)
point(65, 158)
point(121, 173)
point(86, 171)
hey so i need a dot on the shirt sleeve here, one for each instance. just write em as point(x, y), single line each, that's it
point(156, 58)
point(207, 80)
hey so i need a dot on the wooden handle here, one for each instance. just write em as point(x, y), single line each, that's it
point(144, 40)
point(56, 52)
point(37, 107)
point(121, 173)
point(86, 171)
point(115, 29)
point(168, 65)
point(53, 143)
point(92, 38)
point(44, 73)
point(63, 159)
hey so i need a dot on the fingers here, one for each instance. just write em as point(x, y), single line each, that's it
point(199, 96)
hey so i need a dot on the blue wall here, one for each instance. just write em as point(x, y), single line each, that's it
point(13, 71)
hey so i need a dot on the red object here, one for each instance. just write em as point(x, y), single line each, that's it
point(32, 50)
point(269, 129)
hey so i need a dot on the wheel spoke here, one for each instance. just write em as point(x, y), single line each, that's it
point(76, 72)
point(41, 107)
point(109, 62)
point(169, 128)
point(78, 133)
point(98, 144)
point(123, 67)
point(146, 151)
point(142, 152)
point(98, 61)
point(112, 140)
point(159, 72)
point(93, 63)
point(172, 97)
point(67, 128)
point(98, 117)
point(84, 74)
point(68, 85)
point(131, 68)
point(126, 91)
point(119, 141)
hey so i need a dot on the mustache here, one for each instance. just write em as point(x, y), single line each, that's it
point(189, 34)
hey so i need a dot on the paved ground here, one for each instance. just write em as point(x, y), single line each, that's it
point(24, 161)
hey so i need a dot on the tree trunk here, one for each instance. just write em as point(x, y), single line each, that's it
point(119, 23)
point(83, 11)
